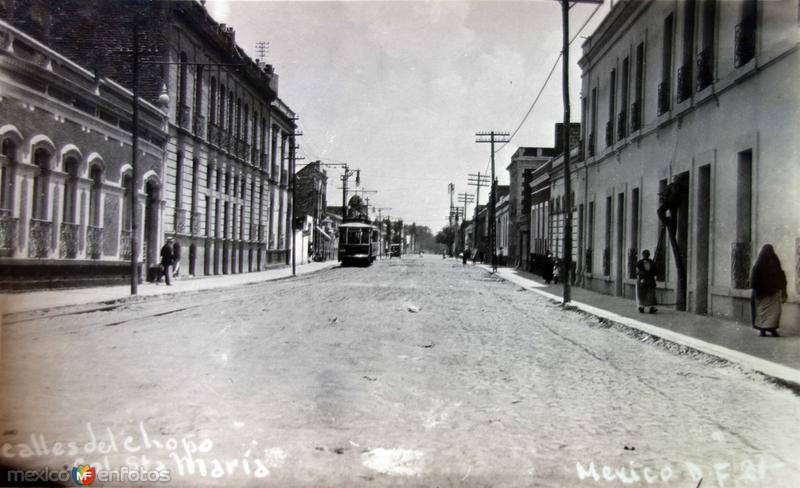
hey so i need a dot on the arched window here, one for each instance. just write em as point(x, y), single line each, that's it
point(41, 181)
point(7, 164)
point(127, 185)
point(95, 192)
point(69, 209)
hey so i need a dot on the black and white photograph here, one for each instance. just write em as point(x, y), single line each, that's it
point(400, 243)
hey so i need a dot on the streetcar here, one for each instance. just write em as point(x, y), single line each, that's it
point(358, 243)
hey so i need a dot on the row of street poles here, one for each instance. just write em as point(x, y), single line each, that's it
point(493, 137)
point(566, 263)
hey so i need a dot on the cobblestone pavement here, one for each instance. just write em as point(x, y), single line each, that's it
point(412, 372)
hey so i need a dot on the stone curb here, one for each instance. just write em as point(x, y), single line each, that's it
point(790, 377)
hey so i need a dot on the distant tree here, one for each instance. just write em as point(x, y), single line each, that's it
point(446, 236)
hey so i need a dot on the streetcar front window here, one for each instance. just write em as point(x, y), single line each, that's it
point(357, 236)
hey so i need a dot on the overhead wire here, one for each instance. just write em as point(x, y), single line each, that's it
point(547, 80)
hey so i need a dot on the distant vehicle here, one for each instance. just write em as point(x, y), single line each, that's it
point(358, 243)
point(394, 250)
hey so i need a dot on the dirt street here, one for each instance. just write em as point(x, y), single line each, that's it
point(411, 372)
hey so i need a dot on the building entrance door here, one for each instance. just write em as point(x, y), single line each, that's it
point(702, 233)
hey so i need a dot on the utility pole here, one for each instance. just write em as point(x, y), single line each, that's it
point(262, 49)
point(477, 180)
point(465, 198)
point(134, 166)
point(293, 168)
point(135, 52)
point(345, 177)
point(380, 226)
point(492, 137)
point(566, 262)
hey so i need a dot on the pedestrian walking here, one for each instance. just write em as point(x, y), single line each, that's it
point(176, 258)
point(464, 257)
point(167, 258)
point(768, 282)
point(646, 283)
point(547, 268)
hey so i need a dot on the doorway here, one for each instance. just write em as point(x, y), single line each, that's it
point(683, 240)
point(702, 229)
point(618, 255)
point(192, 259)
point(151, 210)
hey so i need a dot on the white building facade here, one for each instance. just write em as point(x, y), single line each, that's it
point(702, 93)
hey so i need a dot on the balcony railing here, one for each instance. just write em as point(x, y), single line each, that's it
point(68, 240)
point(8, 232)
point(636, 115)
point(740, 265)
point(663, 97)
point(705, 68)
point(199, 126)
point(94, 242)
point(609, 133)
point(622, 125)
point(684, 82)
point(184, 119)
point(125, 244)
point(591, 144)
point(744, 42)
point(39, 238)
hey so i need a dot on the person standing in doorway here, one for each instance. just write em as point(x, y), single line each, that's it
point(167, 258)
point(768, 282)
point(547, 267)
point(646, 283)
point(176, 258)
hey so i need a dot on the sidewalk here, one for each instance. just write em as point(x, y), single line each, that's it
point(46, 299)
point(778, 358)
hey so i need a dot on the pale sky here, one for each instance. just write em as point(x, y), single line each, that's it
point(398, 89)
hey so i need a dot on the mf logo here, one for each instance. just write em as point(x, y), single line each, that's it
point(83, 474)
